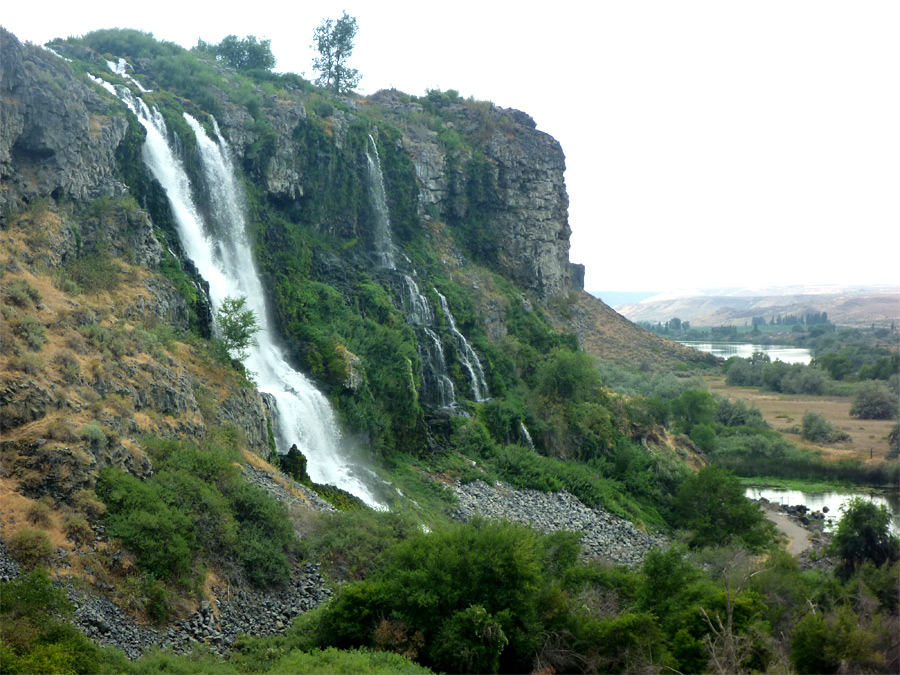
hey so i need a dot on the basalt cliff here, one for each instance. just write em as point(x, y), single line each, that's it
point(407, 259)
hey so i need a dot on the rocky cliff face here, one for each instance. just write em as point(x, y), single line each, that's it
point(528, 213)
point(76, 356)
point(58, 136)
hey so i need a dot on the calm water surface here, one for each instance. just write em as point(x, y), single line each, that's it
point(745, 350)
point(833, 500)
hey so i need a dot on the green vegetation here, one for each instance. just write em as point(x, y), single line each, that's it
point(863, 536)
point(194, 510)
point(711, 505)
point(333, 39)
point(874, 401)
point(817, 429)
point(243, 54)
point(237, 326)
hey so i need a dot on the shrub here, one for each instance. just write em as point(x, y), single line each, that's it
point(94, 272)
point(69, 366)
point(30, 364)
point(60, 429)
point(874, 401)
point(39, 514)
point(30, 548)
point(87, 503)
point(712, 505)
point(704, 437)
point(19, 292)
point(93, 433)
point(78, 530)
point(863, 534)
point(817, 429)
point(32, 331)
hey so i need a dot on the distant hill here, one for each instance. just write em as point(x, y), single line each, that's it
point(845, 305)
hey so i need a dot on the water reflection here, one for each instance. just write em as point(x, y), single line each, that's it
point(815, 501)
point(776, 352)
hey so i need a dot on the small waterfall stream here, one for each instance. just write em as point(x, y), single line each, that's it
point(467, 356)
point(303, 414)
point(439, 388)
point(384, 244)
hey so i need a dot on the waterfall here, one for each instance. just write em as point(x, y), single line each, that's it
point(384, 245)
point(303, 414)
point(438, 385)
point(467, 356)
point(525, 435)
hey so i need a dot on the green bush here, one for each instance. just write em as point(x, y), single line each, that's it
point(30, 548)
point(817, 429)
point(32, 331)
point(874, 401)
point(94, 434)
point(863, 535)
point(712, 506)
point(347, 662)
point(35, 636)
point(19, 292)
point(428, 579)
point(704, 437)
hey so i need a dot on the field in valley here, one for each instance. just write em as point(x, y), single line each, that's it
point(781, 411)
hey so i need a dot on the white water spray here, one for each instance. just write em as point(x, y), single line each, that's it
point(302, 413)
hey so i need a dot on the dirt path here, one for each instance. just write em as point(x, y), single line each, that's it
point(798, 537)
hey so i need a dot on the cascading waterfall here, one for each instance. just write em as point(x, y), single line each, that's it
point(302, 413)
point(467, 356)
point(384, 245)
point(431, 351)
point(418, 310)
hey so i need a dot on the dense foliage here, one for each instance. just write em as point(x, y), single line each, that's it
point(195, 509)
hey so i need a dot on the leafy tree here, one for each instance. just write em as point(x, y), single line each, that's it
point(863, 534)
point(237, 325)
point(704, 437)
point(241, 54)
point(712, 505)
point(874, 401)
point(333, 39)
point(693, 407)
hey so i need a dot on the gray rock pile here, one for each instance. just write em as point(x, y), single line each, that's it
point(267, 482)
point(606, 536)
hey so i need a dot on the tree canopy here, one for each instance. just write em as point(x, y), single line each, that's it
point(333, 39)
point(241, 54)
point(237, 325)
point(863, 534)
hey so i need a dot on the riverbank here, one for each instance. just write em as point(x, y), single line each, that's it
point(805, 536)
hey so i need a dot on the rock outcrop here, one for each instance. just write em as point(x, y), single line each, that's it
point(58, 135)
point(529, 208)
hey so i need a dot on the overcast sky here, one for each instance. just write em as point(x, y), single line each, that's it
point(707, 143)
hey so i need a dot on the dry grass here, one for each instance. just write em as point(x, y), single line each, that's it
point(868, 437)
point(14, 516)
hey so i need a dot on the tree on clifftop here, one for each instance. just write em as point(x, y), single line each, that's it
point(333, 39)
point(241, 54)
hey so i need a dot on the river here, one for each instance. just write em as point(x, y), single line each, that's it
point(745, 350)
point(815, 501)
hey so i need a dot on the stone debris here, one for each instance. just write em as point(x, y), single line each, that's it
point(606, 536)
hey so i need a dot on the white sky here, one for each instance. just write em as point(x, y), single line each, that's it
point(715, 143)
